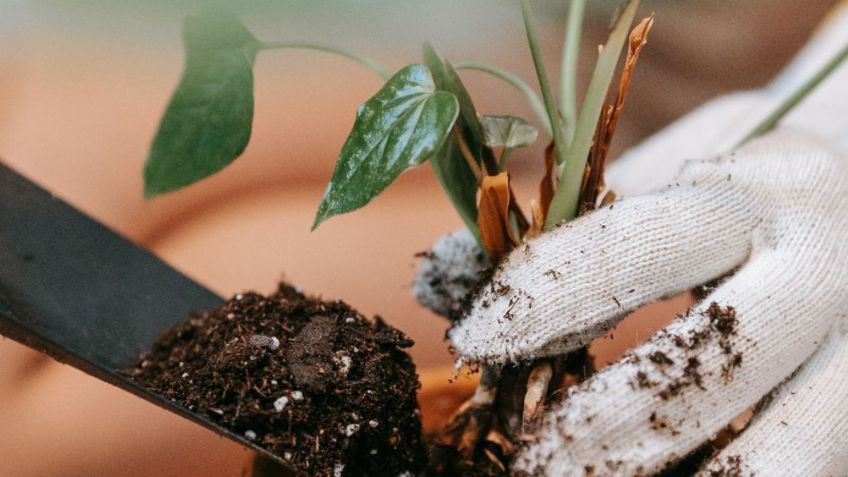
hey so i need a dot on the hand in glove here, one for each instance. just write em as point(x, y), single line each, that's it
point(773, 216)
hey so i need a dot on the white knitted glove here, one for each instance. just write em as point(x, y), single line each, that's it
point(774, 214)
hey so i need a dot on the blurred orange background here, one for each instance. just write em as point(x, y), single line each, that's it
point(83, 85)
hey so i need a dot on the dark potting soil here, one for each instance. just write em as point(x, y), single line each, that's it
point(312, 381)
point(446, 461)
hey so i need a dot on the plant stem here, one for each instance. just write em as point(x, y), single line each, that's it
point(535, 394)
point(796, 97)
point(535, 102)
point(364, 60)
point(466, 154)
point(568, 69)
point(504, 157)
point(512, 222)
point(564, 204)
point(550, 106)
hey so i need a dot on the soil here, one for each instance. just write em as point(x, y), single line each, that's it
point(446, 461)
point(312, 381)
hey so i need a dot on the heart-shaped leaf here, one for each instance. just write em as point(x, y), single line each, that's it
point(508, 131)
point(449, 165)
point(448, 80)
point(400, 127)
point(208, 121)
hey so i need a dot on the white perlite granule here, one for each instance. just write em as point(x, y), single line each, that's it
point(262, 341)
point(280, 404)
point(344, 363)
point(351, 429)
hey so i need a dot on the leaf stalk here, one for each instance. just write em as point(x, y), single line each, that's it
point(568, 68)
point(297, 45)
point(538, 62)
point(796, 97)
point(535, 102)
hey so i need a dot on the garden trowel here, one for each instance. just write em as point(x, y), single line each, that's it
point(86, 296)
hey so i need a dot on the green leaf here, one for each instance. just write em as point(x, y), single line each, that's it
point(448, 80)
point(564, 203)
point(796, 97)
point(400, 127)
point(568, 68)
point(508, 131)
point(207, 123)
point(556, 126)
point(458, 182)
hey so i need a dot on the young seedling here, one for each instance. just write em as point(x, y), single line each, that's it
point(424, 114)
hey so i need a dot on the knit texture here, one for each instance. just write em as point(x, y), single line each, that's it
point(776, 210)
point(804, 428)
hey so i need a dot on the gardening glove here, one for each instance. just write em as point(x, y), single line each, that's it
point(776, 213)
point(772, 216)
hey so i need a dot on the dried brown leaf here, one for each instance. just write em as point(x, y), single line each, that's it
point(493, 215)
point(547, 187)
point(538, 216)
point(593, 179)
point(608, 199)
point(637, 40)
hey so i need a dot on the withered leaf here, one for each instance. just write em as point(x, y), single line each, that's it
point(493, 215)
point(637, 40)
point(593, 179)
point(547, 186)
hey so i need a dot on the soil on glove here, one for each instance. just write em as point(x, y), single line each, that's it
point(313, 382)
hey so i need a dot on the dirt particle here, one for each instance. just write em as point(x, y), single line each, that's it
point(730, 466)
point(426, 254)
point(660, 358)
point(692, 372)
point(732, 363)
point(722, 319)
point(642, 380)
point(500, 289)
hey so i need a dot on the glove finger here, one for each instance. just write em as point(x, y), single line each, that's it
point(803, 430)
point(675, 392)
point(570, 285)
